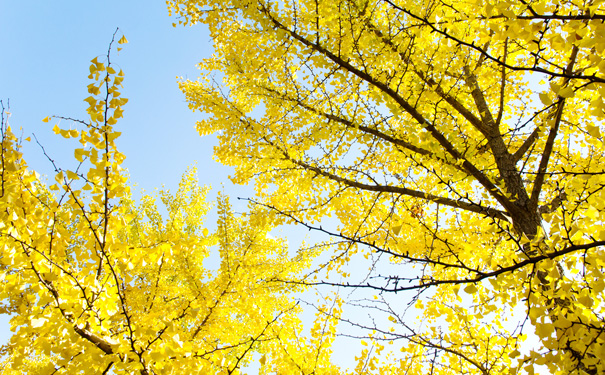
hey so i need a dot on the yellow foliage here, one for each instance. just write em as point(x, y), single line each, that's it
point(420, 128)
point(96, 282)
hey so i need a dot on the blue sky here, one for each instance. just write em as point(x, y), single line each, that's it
point(46, 51)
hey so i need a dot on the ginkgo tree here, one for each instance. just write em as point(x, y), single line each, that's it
point(96, 282)
point(457, 144)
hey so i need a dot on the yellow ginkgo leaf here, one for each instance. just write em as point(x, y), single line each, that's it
point(79, 154)
point(72, 176)
point(593, 130)
point(567, 92)
point(470, 289)
point(123, 40)
point(545, 99)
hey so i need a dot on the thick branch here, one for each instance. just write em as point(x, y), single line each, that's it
point(503, 158)
point(502, 85)
point(96, 340)
point(406, 106)
point(487, 211)
point(550, 142)
point(526, 145)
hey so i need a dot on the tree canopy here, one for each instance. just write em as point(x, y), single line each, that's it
point(98, 282)
point(453, 148)
point(459, 141)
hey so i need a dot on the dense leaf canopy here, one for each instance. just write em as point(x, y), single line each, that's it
point(462, 137)
point(96, 282)
point(454, 148)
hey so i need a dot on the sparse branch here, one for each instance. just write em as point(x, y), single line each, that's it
point(354, 239)
point(253, 340)
point(472, 280)
point(560, 17)
point(435, 28)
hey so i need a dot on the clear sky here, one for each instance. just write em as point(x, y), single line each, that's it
point(47, 46)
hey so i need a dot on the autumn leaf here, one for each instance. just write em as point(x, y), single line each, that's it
point(344, 114)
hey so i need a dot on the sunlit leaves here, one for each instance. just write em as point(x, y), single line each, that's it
point(97, 282)
point(420, 128)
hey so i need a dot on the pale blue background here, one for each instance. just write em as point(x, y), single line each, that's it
point(46, 49)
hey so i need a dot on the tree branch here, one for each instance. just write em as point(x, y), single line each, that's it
point(406, 106)
point(474, 280)
point(432, 26)
point(550, 142)
point(472, 207)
